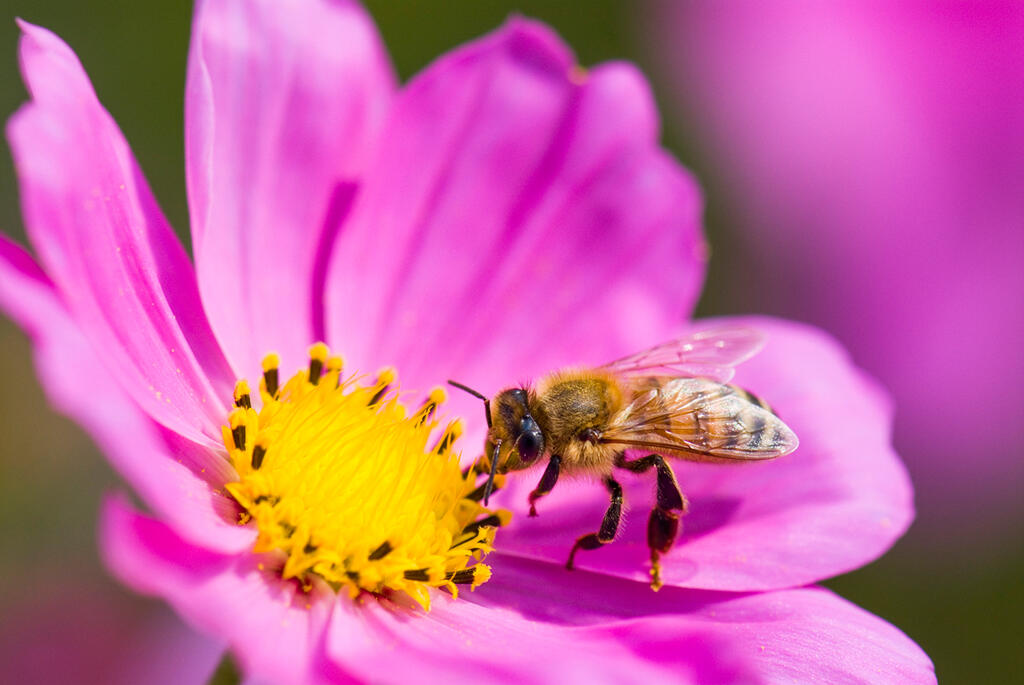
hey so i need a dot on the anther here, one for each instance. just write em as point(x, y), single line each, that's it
point(270, 379)
point(385, 378)
point(436, 397)
point(335, 363)
point(242, 397)
point(238, 435)
point(317, 357)
point(466, 576)
point(451, 434)
point(237, 422)
point(380, 552)
point(495, 520)
point(420, 574)
point(258, 452)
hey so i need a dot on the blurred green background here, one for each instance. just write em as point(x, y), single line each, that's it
point(64, 620)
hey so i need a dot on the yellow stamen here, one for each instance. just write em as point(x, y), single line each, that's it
point(346, 484)
point(269, 384)
point(242, 395)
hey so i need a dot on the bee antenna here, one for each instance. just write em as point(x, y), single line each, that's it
point(465, 388)
point(474, 393)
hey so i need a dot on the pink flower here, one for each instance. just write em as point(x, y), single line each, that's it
point(502, 214)
point(59, 629)
point(875, 152)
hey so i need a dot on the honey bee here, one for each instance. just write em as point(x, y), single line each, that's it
point(671, 401)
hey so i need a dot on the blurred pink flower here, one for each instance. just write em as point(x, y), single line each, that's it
point(875, 153)
point(504, 213)
point(59, 629)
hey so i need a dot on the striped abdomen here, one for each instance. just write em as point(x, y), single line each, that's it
point(698, 418)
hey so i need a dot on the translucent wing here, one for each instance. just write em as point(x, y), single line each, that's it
point(699, 419)
point(710, 353)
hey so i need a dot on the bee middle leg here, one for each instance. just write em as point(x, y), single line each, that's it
point(609, 525)
point(663, 525)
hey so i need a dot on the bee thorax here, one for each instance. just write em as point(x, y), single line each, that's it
point(574, 407)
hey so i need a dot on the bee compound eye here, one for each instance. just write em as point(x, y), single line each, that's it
point(530, 441)
point(528, 446)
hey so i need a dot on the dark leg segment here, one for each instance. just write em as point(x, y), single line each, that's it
point(669, 495)
point(547, 482)
point(609, 525)
point(662, 528)
point(663, 525)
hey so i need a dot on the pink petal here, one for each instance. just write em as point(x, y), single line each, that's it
point(271, 626)
point(120, 270)
point(463, 641)
point(517, 207)
point(277, 638)
point(523, 625)
point(177, 478)
point(835, 504)
point(284, 105)
point(806, 635)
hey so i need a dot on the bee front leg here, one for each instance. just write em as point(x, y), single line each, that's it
point(547, 482)
point(663, 525)
point(609, 525)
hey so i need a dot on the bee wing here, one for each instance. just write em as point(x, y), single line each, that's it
point(711, 353)
point(695, 418)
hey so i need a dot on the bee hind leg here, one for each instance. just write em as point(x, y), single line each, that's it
point(670, 497)
point(609, 525)
point(663, 525)
point(662, 529)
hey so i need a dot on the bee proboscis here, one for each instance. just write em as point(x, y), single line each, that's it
point(672, 401)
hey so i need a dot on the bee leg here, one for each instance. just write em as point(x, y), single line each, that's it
point(547, 482)
point(662, 528)
point(670, 497)
point(663, 525)
point(609, 525)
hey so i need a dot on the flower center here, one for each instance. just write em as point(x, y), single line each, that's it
point(345, 483)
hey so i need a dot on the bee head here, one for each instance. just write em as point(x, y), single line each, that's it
point(514, 439)
point(514, 432)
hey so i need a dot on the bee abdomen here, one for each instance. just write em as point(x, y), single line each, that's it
point(727, 420)
point(751, 397)
point(755, 429)
point(706, 419)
